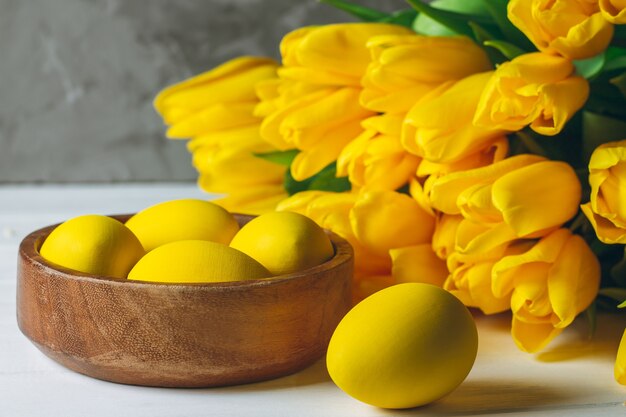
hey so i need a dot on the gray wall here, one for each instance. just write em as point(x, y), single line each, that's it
point(77, 78)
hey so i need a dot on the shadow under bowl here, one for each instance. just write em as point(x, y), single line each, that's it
point(181, 335)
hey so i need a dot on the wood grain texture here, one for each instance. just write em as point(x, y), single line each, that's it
point(190, 335)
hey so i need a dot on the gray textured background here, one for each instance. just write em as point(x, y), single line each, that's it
point(77, 78)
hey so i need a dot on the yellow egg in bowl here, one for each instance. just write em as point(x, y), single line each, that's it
point(181, 334)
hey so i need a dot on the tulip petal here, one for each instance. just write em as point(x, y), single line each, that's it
point(620, 361)
point(418, 264)
point(560, 101)
point(384, 220)
point(532, 337)
point(545, 251)
point(444, 191)
point(252, 200)
point(613, 11)
point(573, 281)
point(214, 118)
point(537, 197)
point(230, 82)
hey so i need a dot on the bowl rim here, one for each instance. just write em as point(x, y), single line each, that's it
point(31, 243)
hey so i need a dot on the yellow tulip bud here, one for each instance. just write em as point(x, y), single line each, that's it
point(607, 176)
point(315, 108)
point(376, 159)
point(384, 220)
point(331, 55)
point(614, 11)
point(444, 236)
point(216, 109)
point(320, 125)
point(381, 226)
point(418, 263)
point(620, 362)
point(223, 98)
point(471, 283)
point(404, 67)
point(536, 89)
point(574, 29)
point(527, 193)
point(429, 130)
point(549, 285)
point(492, 153)
point(333, 211)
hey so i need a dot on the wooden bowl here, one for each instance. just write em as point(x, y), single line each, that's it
point(181, 335)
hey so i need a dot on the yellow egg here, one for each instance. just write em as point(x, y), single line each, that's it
point(196, 261)
point(187, 219)
point(284, 242)
point(93, 244)
point(404, 346)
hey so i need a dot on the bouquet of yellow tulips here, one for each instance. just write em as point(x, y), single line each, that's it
point(478, 145)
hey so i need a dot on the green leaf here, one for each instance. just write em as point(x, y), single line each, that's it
point(482, 35)
point(425, 25)
point(279, 157)
point(498, 11)
point(360, 12)
point(473, 8)
point(293, 186)
point(507, 49)
point(402, 18)
point(325, 180)
point(620, 83)
point(456, 22)
point(617, 294)
point(590, 67)
point(615, 58)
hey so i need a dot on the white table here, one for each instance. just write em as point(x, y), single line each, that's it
point(573, 377)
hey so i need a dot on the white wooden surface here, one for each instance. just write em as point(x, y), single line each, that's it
point(574, 377)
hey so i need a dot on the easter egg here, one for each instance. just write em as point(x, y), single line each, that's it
point(404, 346)
point(196, 261)
point(93, 244)
point(284, 242)
point(187, 219)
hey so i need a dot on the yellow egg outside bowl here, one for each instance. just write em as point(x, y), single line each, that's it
point(181, 335)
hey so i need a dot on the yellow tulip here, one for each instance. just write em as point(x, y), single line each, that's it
point(493, 152)
point(607, 176)
point(429, 130)
point(216, 109)
point(470, 279)
point(620, 362)
point(219, 99)
point(534, 89)
point(331, 55)
point(315, 106)
point(320, 125)
point(406, 66)
point(614, 11)
point(376, 159)
point(527, 193)
point(253, 185)
point(383, 227)
point(418, 263)
point(549, 285)
point(575, 29)
point(384, 220)
point(444, 236)
point(332, 211)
